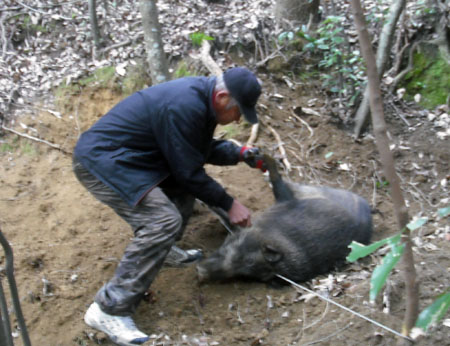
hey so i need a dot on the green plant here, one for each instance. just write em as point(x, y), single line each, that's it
point(342, 69)
point(198, 37)
point(6, 148)
point(183, 70)
point(27, 25)
point(27, 148)
point(433, 313)
point(381, 184)
point(422, 8)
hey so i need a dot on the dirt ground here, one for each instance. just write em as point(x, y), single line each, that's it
point(64, 237)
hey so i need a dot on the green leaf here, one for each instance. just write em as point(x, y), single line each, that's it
point(443, 212)
point(328, 155)
point(381, 184)
point(381, 272)
point(198, 37)
point(359, 250)
point(309, 46)
point(320, 41)
point(417, 223)
point(434, 313)
point(337, 40)
point(285, 36)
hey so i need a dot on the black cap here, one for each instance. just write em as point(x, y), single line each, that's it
point(244, 87)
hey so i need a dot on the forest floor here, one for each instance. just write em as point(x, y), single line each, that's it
point(62, 236)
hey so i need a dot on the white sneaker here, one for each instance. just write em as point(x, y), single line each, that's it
point(120, 329)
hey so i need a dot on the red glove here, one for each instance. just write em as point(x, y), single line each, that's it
point(252, 157)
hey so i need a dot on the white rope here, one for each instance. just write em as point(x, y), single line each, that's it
point(344, 307)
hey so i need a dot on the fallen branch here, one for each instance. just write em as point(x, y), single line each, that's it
point(209, 62)
point(55, 146)
point(121, 44)
point(304, 123)
point(253, 135)
point(280, 148)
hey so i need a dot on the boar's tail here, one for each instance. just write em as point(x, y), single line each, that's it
point(281, 190)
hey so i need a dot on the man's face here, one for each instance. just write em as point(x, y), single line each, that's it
point(227, 109)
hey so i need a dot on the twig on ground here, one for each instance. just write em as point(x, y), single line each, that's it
point(207, 60)
point(280, 148)
point(197, 310)
point(329, 336)
point(400, 115)
point(304, 123)
point(269, 57)
point(419, 191)
point(253, 135)
point(327, 308)
point(77, 119)
point(121, 44)
point(374, 193)
point(55, 146)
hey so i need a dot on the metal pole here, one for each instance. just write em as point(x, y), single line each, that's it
point(5, 327)
point(9, 268)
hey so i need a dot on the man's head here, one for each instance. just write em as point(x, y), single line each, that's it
point(236, 93)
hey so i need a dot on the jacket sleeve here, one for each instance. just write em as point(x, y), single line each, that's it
point(181, 138)
point(223, 153)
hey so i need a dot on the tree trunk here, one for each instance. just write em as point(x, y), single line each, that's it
point(153, 42)
point(384, 48)
point(94, 24)
point(299, 11)
point(382, 142)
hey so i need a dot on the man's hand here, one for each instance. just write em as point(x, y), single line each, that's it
point(252, 157)
point(239, 215)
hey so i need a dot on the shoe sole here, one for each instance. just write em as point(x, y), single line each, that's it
point(114, 338)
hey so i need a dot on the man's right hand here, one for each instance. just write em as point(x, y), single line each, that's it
point(252, 157)
point(239, 214)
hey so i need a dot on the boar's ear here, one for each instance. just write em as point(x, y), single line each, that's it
point(271, 254)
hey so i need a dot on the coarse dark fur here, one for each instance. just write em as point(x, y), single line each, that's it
point(304, 234)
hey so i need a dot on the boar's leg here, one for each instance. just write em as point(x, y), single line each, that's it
point(281, 190)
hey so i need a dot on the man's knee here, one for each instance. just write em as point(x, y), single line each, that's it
point(174, 222)
point(166, 223)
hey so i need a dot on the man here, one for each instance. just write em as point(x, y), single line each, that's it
point(145, 160)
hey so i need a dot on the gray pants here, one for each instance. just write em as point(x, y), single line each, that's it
point(157, 222)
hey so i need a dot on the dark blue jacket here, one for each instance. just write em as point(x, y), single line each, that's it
point(165, 130)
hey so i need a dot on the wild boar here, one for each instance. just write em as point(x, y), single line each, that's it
point(304, 234)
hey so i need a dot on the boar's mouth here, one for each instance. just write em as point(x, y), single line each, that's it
point(207, 272)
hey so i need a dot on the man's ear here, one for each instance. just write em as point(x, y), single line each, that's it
point(271, 254)
point(222, 98)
